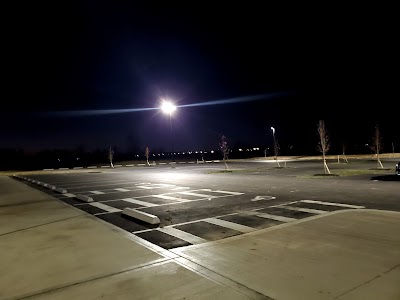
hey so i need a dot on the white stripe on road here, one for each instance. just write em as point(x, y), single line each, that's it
point(131, 165)
point(107, 208)
point(180, 188)
point(169, 197)
point(223, 192)
point(182, 235)
point(141, 164)
point(162, 163)
point(307, 210)
point(231, 225)
point(146, 187)
point(332, 204)
point(97, 192)
point(272, 217)
point(122, 190)
point(197, 195)
point(138, 202)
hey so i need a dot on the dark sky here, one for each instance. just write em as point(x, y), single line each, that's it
point(311, 63)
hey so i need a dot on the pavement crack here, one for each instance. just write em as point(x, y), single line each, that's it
point(368, 281)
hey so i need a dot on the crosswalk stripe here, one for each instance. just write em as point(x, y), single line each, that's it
point(332, 204)
point(308, 210)
point(169, 198)
point(231, 225)
point(105, 207)
point(183, 235)
point(142, 203)
point(269, 216)
point(97, 192)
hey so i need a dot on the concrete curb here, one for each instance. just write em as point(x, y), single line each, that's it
point(84, 198)
point(60, 190)
point(137, 214)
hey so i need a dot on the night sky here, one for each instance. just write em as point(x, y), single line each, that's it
point(303, 64)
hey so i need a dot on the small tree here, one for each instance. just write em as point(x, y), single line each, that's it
point(223, 146)
point(376, 145)
point(324, 144)
point(147, 154)
point(111, 156)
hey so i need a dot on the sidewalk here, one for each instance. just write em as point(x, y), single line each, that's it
point(49, 250)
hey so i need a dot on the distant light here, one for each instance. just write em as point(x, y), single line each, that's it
point(240, 150)
point(212, 151)
point(254, 148)
point(196, 152)
point(273, 129)
point(168, 107)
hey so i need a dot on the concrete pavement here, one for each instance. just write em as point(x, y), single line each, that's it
point(49, 250)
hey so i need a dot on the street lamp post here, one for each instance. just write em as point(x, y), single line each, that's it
point(275, 147)
point(168, 108)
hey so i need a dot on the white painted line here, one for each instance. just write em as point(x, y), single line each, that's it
point(223, 192)
point(197, 195)
point(122, 190)
point(92, 167)
point(332, 204)
point(169, 198)
point(272, 217)
point(141, 164)
point(48, 169)
point(138, 202)
point(182, 235)
point(84, 198)
point(145, 187)
point(69, 195)
point(208, 161)
point(117, 166)
point(141, 215)
point(78, 168)
point(180, 188)
point(63, 168)
point(97, 192)
point(308, 210)
point(162, 163)
point(216, 161)
point(191, 162)
point(105, 166)
point(161, 185)
point(231, 225)
point(107, 208)
point(131, 165)
point(182, 162)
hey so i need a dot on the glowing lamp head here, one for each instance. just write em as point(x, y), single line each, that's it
point(168, 107)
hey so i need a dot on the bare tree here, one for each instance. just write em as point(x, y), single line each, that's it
point(376, 145)
point(147, 155)
point(223, 146)
point(324, 144)
point(344, 146)
point(111, 156)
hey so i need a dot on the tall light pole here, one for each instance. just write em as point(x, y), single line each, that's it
point(168, 108)
point(275, 147)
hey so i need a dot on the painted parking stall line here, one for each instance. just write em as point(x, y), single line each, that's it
point(169, 198)
point(196, 194)
point(122, 190)
point(271, 217)
point(332, 204)
point(230, 225)
point(97, 192)
point(142, 203)
point(309, 210)
point(183, 235)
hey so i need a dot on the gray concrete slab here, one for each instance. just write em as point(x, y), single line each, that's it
point(167, 280)
point(321, 258)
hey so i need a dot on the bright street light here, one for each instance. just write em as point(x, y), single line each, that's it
point(168, 107)
point(273, 130)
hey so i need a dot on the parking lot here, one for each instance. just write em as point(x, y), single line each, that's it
point(188, 213)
